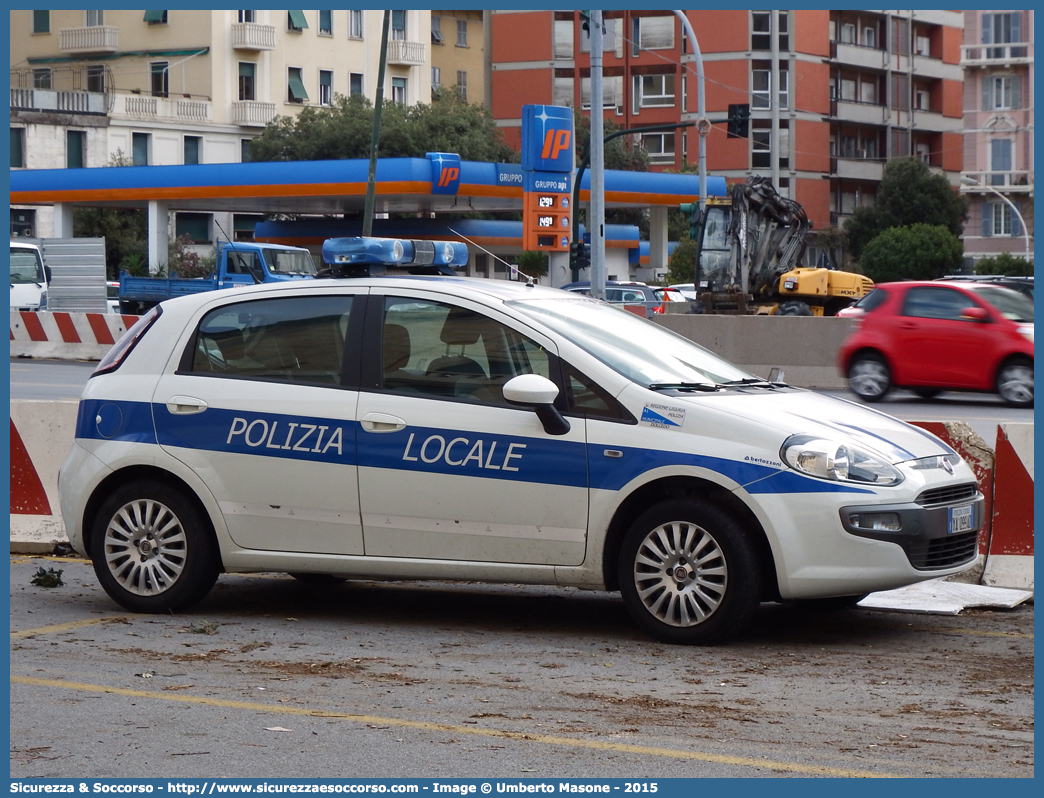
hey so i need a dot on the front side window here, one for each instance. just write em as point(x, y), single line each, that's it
point(935, 303)
point(26, 266)
point(293, 339)
point(290, 261)
point(437, 350)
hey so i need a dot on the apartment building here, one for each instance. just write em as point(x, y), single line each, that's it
point(997, 55)
point(187, 87)
point(852, 90)
point(458, 53)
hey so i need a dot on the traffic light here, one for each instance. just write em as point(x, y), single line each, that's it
point(739, 121)
point(579, 256)
point(693, 210)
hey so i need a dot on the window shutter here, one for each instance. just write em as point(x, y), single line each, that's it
point(987, 94)
point(987, 28)
point(1016, 226)
point(1016, 91)
point(1016, 26)
point(987, 219)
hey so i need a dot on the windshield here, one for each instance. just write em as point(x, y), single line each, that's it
point(26, 266)
point(1011, 304)
point(290, 261)
point(640, 350)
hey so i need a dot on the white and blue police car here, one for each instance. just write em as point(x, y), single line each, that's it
point(439, 427)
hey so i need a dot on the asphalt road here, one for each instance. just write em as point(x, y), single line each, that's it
point(64, 380)
point(269, 677)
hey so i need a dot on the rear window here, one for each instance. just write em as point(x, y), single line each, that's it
point(872, 300)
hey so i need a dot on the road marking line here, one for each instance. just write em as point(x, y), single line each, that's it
point(671, 753)
point(65, 627)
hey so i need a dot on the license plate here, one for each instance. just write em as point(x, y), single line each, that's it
point(962, 519)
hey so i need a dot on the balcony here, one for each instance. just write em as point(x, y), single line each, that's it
point(251, 36)
point(251, 113)
point(859, 112)
point(168, 109)
point(995, 55)
point(407, 53)
point(93, 39)
point(1012, 182)
point(857, 168)
point(857, 55)
point(66, 102)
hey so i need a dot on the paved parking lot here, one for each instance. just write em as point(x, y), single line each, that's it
point(269, 677)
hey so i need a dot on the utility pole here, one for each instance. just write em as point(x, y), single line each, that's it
point(596, 208)
point(375, 137)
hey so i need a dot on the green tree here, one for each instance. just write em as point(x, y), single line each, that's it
point(344, 131)
point(909, 194)
point(621, 153)
point(916, 252)
point(1005, 264)
point(125, 230)
point(681, 266)
point(533, 264)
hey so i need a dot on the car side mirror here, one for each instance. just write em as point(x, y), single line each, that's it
point(975, 314)
point(538, 393)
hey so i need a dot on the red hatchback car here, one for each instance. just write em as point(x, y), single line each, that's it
point(936, 336)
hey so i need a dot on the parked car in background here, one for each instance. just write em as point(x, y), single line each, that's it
point(687, 290)
point(1024, 285)
point(652, 298)
point(112, 295)
point(30, 278)
point(933, 336)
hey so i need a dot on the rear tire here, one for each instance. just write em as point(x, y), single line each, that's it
point(152, 549)
point(869, 377)
point(794, 307)
point(689, 573)
point(1015, 382)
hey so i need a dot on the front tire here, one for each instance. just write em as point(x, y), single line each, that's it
point(152, 549)
point(1015, 382)
point(794, 307)
point(689, 573)
point(869, 377)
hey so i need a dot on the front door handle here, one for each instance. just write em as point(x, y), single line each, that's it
point(381, 422)
point(185, 405)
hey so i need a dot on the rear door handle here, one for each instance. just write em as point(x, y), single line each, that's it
point(381, 422)
point(185, 405)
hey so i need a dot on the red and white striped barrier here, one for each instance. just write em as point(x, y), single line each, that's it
point(41, 434)
point(1010, 562)
point(72, 336)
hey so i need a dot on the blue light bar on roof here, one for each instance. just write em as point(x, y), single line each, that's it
point(394, 252)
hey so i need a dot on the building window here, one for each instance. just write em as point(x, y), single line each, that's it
point(660, 146)
point(848, 33)
point(869, 38)
point(355, 24)
point(17, 147)
point(436, 30)
point(1001, 92)
point(295, 21)
point(194, 225)
point(158, 74)
point(42, 78)
point(247, 16)
point(75, 144)
point(191, 149)
point(653, 91)
point(999, 220)
point(462, 84)
point(23, 223)
point(759, 96)
point(1001, 161)
point(295, 90)
point(654, 33)
point(325, 87)
point(41, 22)
point(398, 25)
point(462, 33)
point(244, 150)
point(562, 91)
point(398, 93)
point(612, 92)
point(326, 23)
point(140, 148)
point(1003, 29)
point(436, 78)
point(95, 19)
point(760, 31)
point(922, 100)
point(156, 17)
point(563, 34)
point(922, 45)
point(247, 72)
point(355, 83)
point(96, 79)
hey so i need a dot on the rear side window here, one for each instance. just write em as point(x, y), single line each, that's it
point(291, 339)
point(935, 303)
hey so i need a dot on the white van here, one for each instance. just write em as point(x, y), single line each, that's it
point(29, 277)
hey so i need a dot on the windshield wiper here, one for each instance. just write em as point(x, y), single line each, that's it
point(755, 382)
point(683, 386)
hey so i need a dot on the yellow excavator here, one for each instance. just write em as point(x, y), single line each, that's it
point(750, 253)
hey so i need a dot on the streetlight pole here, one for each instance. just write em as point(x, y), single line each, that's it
point(971, 181)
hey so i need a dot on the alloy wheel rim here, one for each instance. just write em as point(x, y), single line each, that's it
point(868, 378)
point(145, 547)
point(680, 574)
point(1016, 384)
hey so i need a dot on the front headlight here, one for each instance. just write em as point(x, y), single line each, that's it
point(840, 461)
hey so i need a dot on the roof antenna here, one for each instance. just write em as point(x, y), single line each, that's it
point(530, 281)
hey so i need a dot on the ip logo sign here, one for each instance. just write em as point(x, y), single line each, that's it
point(547, 138)
point(445, 172)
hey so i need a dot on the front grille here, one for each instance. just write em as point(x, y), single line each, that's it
point(927, 555)
point(951, 494)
